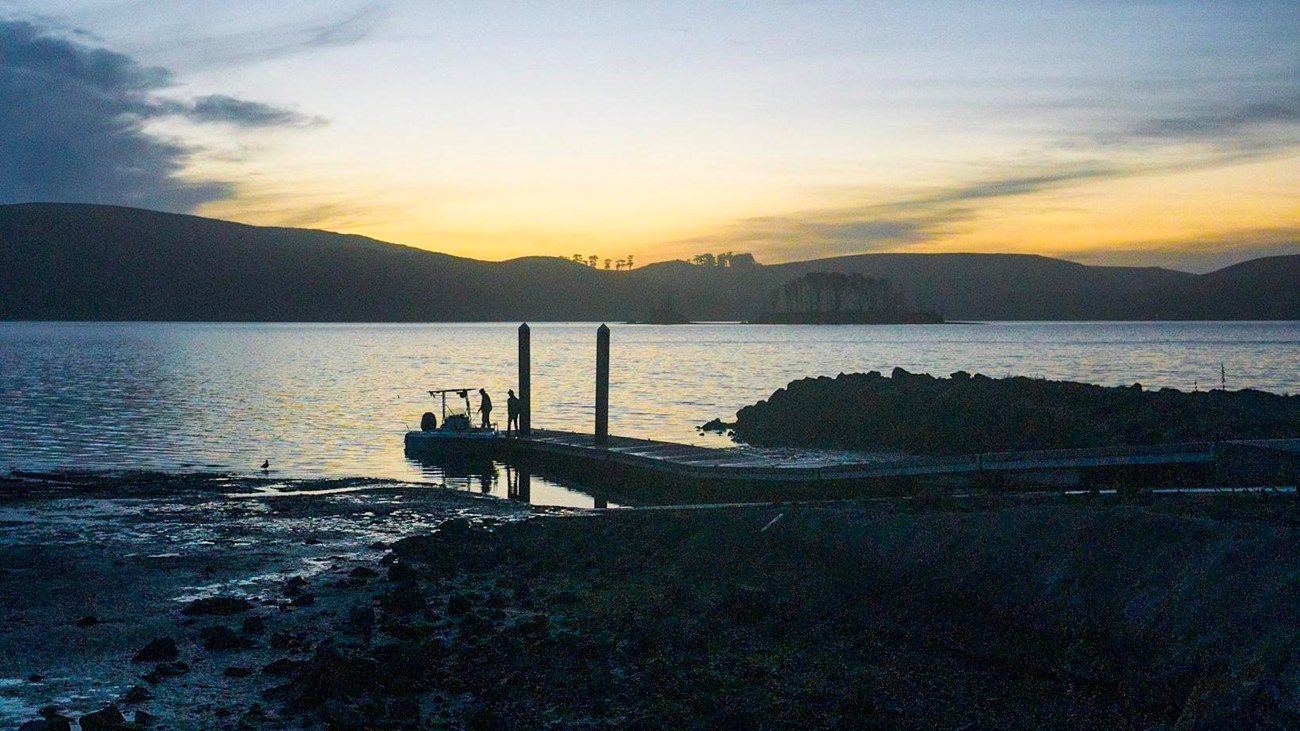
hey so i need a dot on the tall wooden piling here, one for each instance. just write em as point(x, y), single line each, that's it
point(525, 380)
point(602, 384)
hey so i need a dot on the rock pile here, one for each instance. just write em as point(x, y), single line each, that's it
point(964, 414)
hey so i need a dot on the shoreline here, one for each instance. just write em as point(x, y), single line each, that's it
point(438, 609)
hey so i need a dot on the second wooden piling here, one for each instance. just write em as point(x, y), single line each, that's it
point(602, 384)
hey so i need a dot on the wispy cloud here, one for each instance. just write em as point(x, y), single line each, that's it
point(241, 112)
point(1225, 123)
point(1258, 119)
point(885, 226)
point(270, 41)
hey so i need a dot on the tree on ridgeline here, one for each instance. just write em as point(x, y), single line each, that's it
point(594, 260)
point(724, 260)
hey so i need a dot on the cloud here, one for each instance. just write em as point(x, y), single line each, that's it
point(216, 49)
point(887, 226)
point(73, 125)
point(1260, 115)
point(1223, 123)
point(227, 109)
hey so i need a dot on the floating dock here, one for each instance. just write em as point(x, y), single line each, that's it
point(649, 471)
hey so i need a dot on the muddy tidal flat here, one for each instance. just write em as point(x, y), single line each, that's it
point(209, 601)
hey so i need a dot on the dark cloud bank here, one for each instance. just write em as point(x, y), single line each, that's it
point(72, 125)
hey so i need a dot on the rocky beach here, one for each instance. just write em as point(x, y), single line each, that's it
point(170, 601)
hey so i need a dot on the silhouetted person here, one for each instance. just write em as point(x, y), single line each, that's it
point(485, 408)
point(512, 411)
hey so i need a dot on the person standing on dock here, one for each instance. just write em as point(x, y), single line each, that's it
point(512, 411)
point(485, 408)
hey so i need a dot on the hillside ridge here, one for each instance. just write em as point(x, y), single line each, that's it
point(96, 262)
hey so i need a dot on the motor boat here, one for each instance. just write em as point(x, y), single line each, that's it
point(454, 438)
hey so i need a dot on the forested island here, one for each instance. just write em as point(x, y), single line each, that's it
point(835, 298)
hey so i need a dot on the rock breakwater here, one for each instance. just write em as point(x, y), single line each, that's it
point(963, 414)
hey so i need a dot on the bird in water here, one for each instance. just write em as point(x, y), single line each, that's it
point(266, 465)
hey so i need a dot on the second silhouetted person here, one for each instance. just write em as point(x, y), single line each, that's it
point(485, 408)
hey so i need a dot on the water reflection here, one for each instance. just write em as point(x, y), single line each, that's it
point(519, 484)
point(487, 477)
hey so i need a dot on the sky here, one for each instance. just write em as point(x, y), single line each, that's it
point(1122, 132)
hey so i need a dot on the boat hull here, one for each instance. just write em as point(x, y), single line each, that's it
point(452, 444)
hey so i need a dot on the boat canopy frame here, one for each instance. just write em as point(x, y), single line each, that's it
point(461, 392)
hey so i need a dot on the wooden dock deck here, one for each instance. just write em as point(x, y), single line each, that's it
point(649, 469)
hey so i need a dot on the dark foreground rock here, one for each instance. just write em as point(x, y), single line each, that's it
point(220, 638)
point(217, 605)
point(163, 648)
point(1011, 617)
point(963, 414)
point(106, 718)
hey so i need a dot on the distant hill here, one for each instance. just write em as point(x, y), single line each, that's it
point(87, 262)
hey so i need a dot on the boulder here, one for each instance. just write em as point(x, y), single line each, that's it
point(108, 717)
point(295, 586)
point(284, 667)
point(137, 694)
point(220, 637)
point(403, 598)
point(50, 723)
point(162, 648)
point(304, 600)
point(332, 675)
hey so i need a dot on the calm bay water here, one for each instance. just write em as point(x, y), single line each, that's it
point(334, 400)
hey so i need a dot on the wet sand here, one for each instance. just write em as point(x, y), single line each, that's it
point(437, 609)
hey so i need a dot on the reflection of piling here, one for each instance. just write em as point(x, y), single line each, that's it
point(602, 384)
point(525, 380)
point(519, 484)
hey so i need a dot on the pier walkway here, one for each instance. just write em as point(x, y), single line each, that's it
point(654, 465)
